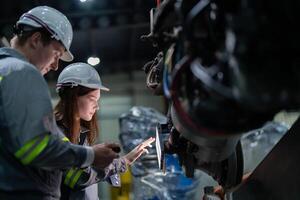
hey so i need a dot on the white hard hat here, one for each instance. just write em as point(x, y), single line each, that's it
point(53, 21)
point(80, 74)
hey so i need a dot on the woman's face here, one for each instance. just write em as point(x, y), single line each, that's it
point(88, 104)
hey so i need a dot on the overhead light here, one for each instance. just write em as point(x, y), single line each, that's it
point(93, 61)
point(83, 1)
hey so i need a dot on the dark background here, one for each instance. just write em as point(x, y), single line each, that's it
point(108, 29)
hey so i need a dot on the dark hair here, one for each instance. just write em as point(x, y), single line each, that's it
point(67, 112)
point(24, 32)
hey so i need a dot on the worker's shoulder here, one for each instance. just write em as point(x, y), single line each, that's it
point(16, 66)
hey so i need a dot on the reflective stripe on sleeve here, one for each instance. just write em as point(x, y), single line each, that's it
point(75, 179)
point(68, 176)
point(65, 139)
point(72, 177)
point(32, 149)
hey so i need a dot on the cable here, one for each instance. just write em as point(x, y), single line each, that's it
point(199, 71)
point(167, 70)
point(166, 85)
point(195, 11)
point(184, 116)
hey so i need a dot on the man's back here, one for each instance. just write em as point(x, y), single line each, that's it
point(24, 102)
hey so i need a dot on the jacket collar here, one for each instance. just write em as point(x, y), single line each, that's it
point(63, 125)
point(10, 52)
point(84, 130)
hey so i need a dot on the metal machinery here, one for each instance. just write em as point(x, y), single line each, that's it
point(227, 67)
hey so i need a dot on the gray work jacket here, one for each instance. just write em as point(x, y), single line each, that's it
point(32, 148)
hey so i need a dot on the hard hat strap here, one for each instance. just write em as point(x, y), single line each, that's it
point(70, 84)
point(44, 25)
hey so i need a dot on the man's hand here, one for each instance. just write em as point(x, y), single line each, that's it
point(138, 151)
point(104, 154)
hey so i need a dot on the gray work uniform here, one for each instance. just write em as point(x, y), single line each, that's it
point(32, 148)
point(81, 183)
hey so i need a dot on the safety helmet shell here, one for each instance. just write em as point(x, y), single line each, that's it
point(53, 21)
point(80, 74)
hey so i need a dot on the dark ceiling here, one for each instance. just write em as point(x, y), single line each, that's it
point(109, 29)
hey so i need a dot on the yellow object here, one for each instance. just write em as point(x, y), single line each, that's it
point(126, 177)
point(122, 198)
point(123, 192)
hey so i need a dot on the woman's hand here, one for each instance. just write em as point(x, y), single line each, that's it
point(138, 151)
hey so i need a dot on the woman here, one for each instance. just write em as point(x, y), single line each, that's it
point(79, 87)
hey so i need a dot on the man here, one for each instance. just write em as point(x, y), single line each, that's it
point(32, 149)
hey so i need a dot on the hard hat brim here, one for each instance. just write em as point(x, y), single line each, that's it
point(104, 88)
point(67, 56)
point(95, 86)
